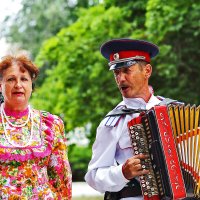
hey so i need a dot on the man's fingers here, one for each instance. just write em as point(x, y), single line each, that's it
point(138, 167)
point(136, 161)
point(140, 156)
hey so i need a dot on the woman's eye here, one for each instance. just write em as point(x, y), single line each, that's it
point(10, 79)
point(24, 79)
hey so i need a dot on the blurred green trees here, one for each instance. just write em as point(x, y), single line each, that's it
point(38, 20)
point(175, 26)
point(75, 82)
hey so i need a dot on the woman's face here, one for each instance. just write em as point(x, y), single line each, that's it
point(16, 87)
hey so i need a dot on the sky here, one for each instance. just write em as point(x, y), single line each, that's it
point(7, 7)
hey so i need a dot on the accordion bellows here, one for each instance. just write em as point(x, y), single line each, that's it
point(170, 136)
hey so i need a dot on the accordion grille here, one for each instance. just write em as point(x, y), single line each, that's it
point(185, 122)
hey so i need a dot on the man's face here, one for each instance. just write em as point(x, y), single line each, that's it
point(133, 81)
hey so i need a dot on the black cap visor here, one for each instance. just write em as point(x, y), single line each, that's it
point(123, 64)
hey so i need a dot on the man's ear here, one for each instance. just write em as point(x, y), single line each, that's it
point(148, 71)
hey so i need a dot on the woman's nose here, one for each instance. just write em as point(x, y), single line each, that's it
point(18, 84)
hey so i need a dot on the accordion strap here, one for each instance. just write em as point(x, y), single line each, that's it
point(128, 111)
point(124, 111)
point(167, 101)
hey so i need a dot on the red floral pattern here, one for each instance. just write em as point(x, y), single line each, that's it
point(39, 171)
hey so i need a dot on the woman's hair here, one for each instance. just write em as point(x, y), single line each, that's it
point(20, 60)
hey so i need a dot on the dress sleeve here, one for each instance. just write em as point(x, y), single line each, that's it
point(59, 170)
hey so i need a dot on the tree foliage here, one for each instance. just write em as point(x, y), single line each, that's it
point(79, 83)
point(175, 26)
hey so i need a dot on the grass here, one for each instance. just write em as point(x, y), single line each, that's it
point(88, 198)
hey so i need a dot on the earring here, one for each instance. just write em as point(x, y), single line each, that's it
point(1, 98)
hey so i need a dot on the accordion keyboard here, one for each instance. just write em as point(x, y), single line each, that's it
point(140, 146)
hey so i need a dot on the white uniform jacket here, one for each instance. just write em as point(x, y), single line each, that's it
point(112, 148)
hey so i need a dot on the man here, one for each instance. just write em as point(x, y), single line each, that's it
point(113, 167)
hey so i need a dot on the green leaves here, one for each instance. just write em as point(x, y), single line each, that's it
point(175, 27)
point(78, 83)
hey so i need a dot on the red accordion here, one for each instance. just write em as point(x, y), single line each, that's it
point(170, 135)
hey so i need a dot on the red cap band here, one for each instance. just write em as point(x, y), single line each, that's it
point(129, 54)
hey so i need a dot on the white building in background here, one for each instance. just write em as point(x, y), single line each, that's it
point(79, 136)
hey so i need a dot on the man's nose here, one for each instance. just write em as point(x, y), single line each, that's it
point(121, 76)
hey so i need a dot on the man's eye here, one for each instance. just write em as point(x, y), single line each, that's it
point(116, 72)
point(127, 70)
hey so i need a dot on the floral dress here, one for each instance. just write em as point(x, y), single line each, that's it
point(40, 170)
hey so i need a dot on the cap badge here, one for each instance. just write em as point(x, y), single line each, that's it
point(116, 56)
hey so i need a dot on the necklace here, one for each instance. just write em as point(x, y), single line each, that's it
point(16, 125)
point(5, 131)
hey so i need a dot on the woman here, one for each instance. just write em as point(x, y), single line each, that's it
point(33, 152)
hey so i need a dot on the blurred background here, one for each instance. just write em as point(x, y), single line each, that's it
point(63, 38)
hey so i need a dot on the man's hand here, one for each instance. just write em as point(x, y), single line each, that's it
point(132, 167)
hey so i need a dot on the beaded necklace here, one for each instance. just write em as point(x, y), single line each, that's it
point(30, 117)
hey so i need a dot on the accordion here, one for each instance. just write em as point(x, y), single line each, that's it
point(170, 136)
